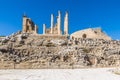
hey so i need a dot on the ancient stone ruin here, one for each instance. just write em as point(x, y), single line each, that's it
point(29, 26)
point(29, 50)
point(93, 33)
point(55, 29)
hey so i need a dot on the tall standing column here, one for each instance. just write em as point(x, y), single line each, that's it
point(52, 23)
point(36, 29)
point(24, 23)
point(59, 23)
point(66, 24)
point(44, 28)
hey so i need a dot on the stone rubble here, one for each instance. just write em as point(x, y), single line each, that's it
point(23, 51)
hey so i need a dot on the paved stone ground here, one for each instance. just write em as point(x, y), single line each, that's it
point(59, 74)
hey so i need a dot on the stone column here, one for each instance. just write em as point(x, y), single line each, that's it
point(59, 23)
point(44, 28)
point(36, 29)
point(66, 24)
point(52, 23)
point(30, 26)
point(24, 23)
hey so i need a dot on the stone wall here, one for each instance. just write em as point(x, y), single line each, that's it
point(29, 26)
point(92, 33)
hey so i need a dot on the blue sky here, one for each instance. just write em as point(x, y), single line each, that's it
point(82, 14)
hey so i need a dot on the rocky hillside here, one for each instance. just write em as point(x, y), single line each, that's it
point(28, 51)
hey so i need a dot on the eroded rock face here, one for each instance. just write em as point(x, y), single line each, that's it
point(23, 50)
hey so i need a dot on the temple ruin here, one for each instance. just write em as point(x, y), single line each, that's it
point(55, 29)
point(89, 48)
point(29, 26)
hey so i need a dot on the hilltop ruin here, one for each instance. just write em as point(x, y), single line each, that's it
point(27, 49)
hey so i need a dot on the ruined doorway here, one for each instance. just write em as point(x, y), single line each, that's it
point(72, 38)
point(84, 36)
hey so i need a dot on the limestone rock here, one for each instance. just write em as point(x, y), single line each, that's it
point(40, 43)
point(48, 43)
point(41, 52)
point(59, 42)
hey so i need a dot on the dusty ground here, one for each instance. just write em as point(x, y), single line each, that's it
point(59, 74)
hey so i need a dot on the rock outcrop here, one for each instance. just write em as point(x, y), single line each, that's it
point(23, 51)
